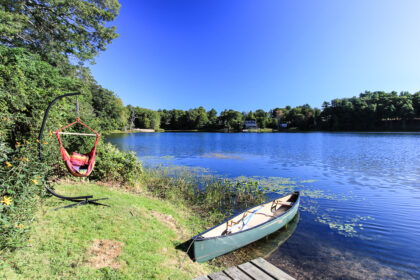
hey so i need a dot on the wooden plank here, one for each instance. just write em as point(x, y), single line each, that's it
point(204, 277)
point(254, 271)
point(219, 276)
point(271, 269)
point(235, 273)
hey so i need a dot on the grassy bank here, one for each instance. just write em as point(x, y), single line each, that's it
point(135, 238)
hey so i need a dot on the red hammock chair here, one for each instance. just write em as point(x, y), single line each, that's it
point(80, 165)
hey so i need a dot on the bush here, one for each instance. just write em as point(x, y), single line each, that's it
point(113, 165)
point(21, 187)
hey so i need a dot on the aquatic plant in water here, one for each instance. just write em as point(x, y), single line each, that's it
point(231, 195)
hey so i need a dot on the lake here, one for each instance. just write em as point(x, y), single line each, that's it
point(360, 213)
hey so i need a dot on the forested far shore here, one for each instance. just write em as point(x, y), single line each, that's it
point(369, 111)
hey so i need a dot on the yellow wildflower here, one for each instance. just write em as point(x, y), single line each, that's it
point(45, 142)
point(6, 200)
point(27, 142)
point(35, 181)
point(51, 133)
point(18, 144)
point(8, 164)
point(25, 159)
point(37, 140)
point(19, 225)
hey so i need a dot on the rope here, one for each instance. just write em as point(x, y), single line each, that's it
point(182, 262)
point(77, 106)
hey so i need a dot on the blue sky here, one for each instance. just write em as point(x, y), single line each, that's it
point(251, 54)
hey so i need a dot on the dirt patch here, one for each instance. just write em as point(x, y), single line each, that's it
point(105, 253)
point(166, 219)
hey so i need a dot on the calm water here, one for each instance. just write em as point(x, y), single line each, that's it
point(360, 215)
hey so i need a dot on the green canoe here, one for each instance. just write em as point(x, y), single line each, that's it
point(246, 227)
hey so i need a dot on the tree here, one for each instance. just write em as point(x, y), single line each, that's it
point(133, 116)
point(55, 28)
point(212, 117)
point(144, 118)
point(232, 119)
point(165, 118)
point(250, 116)
point(416, 104)
point(202, 120)
point(108, 108)
point(261, 118)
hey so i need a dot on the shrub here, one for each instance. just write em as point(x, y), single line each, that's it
point(113, 165)
point(21, 187)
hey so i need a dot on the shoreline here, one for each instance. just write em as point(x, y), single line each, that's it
point(257, 131)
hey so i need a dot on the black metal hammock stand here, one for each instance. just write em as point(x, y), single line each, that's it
point(72, 165)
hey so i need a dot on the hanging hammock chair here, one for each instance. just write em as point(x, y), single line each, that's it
point(80, 165)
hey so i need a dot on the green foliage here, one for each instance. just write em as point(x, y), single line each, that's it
point(370, 110)
point(108, 108)
point(212, 117)
point(232, 119)
point(54, 28)
point(113, 165)
point(20, 188)
point(27, 85)
point(143, 118)
point(215, 198)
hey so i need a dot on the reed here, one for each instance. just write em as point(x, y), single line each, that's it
point(211, 196)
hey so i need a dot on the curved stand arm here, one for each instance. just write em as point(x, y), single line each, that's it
point(45, 119)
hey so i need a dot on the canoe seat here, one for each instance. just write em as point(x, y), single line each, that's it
point(287, 203)
point(259, 215)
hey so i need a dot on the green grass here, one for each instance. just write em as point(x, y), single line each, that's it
point(60, 241)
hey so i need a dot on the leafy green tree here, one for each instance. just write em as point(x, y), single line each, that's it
point(202, 120)
point(232, 119)
point(250, 116)
point(261, 118)
point(145, 118)
point(108, 108)
point(405, 107)
point(178, 119)
point(416, 104)
point(56, 28)
point(165, 118)
point(212, 117)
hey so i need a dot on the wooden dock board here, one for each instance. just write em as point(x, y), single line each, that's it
point(258, 269)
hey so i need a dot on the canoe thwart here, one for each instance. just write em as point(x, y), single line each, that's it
point(75, 133)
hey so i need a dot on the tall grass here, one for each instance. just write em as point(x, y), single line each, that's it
point(212, 197)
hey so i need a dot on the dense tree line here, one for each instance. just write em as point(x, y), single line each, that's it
point(371, 110)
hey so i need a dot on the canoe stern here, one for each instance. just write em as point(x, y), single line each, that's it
point(208, 248)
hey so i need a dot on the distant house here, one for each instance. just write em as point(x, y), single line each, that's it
point(250, 124)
